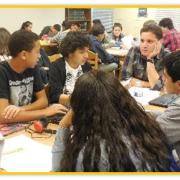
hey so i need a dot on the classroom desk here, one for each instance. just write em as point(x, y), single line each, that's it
point(44, 138)
point(116, 51)
point(45, 44)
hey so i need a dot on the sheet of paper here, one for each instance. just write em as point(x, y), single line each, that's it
point(147, 95)
point(23, 154)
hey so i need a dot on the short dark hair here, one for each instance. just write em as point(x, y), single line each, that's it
point(25, 25)
point(172, 65)
point(66, 24)
point(148, 22)
point(72, 42)
point(97, 29)
point(97, 21)
point(57, 27)
point(117, 25)
point(167, 23)
point(21, 40)
point(155, 29)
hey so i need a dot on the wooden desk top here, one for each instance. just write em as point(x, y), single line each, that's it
point(116, 51)
point(44, 138)
point(45, 43)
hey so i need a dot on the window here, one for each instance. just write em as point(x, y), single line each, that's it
point(106, 17)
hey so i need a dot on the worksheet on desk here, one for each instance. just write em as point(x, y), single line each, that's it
point(147, 95)
point(23, 154)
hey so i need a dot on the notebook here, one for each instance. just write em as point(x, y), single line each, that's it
point(6, 129)
point(163, 100)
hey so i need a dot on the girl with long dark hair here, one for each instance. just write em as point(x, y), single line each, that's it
point(110, 131)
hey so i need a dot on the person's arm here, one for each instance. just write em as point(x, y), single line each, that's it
point(64, 99)
point(170, 124)
point(144, 84)
point(127, 69)
point(152, 74)
point(60, 140)
point(11, 113)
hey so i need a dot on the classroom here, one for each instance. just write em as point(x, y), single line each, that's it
point(89, 89)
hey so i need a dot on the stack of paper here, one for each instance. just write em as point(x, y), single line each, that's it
point(22, 154)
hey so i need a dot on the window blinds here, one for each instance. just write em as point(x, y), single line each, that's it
point(106, 17)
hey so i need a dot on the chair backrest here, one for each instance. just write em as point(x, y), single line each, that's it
point(54, 57)
point(93, 59)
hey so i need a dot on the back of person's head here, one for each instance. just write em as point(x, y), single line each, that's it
point(72, 42)
point(57, 27)
point(148, 22)
point(66, 25)
point(97, 21)
point(166, 23)
point(25, 25)
point(117, 25)
point(4, 39)
point(172, 65)
point(21, 40)
point(155, 29)
point(105, 112)
point(97, 29)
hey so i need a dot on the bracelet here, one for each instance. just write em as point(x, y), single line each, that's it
point(150, 60)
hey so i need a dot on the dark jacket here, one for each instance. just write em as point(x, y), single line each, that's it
point(57, 78)
point(105, 57)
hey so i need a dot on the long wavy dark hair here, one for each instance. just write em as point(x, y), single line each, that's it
point(104, 111)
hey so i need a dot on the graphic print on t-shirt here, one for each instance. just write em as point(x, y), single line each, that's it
point(71, 77)
point(21, 92)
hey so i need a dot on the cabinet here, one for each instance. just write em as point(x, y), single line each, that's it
point(81, 16)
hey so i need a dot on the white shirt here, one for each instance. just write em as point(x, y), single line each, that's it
point(71, 76)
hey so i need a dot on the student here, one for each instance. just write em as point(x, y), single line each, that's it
point(96, 46)
point(70, 27)
point(22, 95)
point(150, 21)
point(171, 37)
point(27, 26)
point(4, 39)
point(144, 63)
point(110, 131)
point(50, 31)
point(65, 71)
point(169, 120)
point(117, 34)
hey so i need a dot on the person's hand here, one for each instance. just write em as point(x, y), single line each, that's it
point(11, 112)
point(55, 109)
point(132, 82)
point(66, 122)
point(156, 50)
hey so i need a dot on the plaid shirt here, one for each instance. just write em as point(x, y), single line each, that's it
point(171, 40)
point(135, 65)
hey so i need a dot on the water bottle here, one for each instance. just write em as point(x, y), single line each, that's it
point(138, 92)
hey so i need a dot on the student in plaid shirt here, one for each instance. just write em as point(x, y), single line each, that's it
point(144, 63)
point(171, 37)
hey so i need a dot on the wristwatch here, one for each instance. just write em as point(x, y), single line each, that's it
point(150, 60)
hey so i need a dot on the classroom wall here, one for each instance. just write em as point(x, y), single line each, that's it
point(130, 21)
point(12, 18)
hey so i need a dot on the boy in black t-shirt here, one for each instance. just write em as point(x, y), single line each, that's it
point(22, 94)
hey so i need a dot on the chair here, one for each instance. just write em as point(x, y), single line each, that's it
point(93, 59)
point(54, 57)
